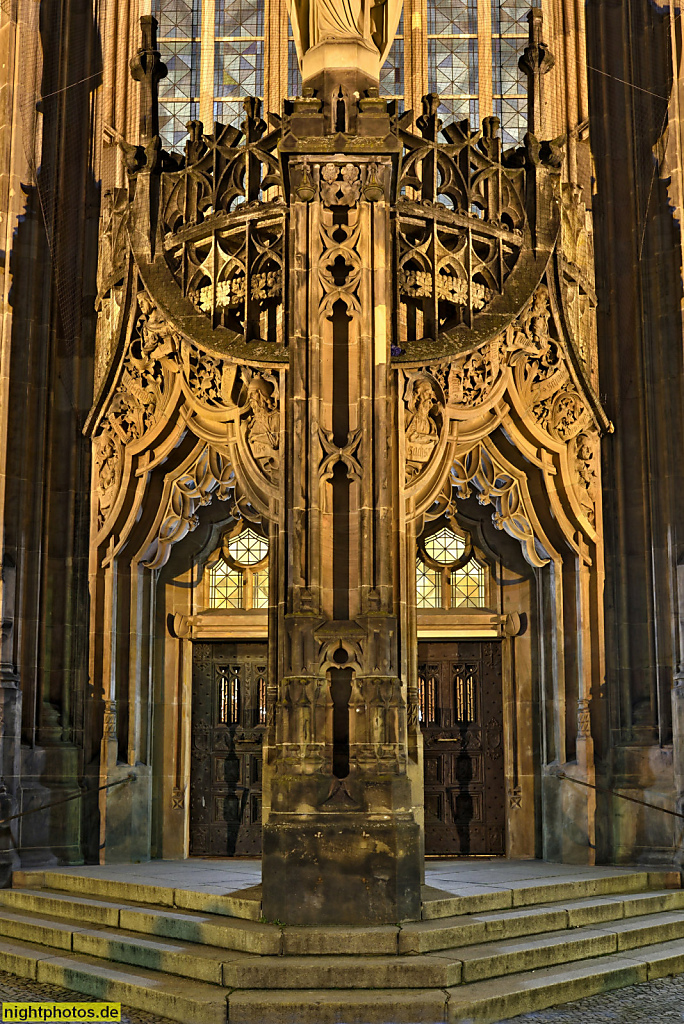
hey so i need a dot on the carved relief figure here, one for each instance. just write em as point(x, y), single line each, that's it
point(107, 475)
point(586, 474)
point(263, 428)
point(159, 340)
point(422, 431)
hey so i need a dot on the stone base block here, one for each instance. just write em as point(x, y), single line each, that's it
point(339, 870)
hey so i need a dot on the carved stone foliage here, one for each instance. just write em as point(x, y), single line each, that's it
point(150, 362)
point(423, 421)
point(543, 376)
point(480, 470)
point(157, 359)
point(529, 360)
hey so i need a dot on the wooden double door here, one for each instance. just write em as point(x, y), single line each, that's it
point(228, 721)
point(461, 711)
point(461, 718)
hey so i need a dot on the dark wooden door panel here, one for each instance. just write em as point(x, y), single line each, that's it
point(228, 719)
point(462, 721)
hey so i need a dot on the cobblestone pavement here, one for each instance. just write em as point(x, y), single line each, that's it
point(21, 990)
point(661, 1001)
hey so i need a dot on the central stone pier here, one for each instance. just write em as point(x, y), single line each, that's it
point(341, 839)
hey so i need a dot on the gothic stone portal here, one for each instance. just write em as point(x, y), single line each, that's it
point(341, 334)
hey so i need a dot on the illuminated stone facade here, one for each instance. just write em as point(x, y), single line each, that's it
point(305, 464)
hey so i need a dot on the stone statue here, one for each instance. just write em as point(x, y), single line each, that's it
point(370, 24)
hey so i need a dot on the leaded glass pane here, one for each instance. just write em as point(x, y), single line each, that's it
point(428, 586)
point(451, 17)
point(464, 694)
point(445, 547)
point(260, 589)
point(239, 68)
point(239, 18)
point(229, 112)
point(261, 698)
point(427, 688)
point(510, 29)
point(181, 80)
point(392, 73)
point(510, 16)
point(452, 66)
point(468, 586)
point(225, 586)
point(248, 547)
point(177, 18)
point(179, 44)
point(173, 117)
point(294, 77)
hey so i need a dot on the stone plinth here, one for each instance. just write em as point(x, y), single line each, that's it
point(341, 871)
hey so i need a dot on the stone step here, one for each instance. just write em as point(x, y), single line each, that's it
point(211, 930)
point(478, 984)
point(486, 1002)
point(417, 937)
point(242, 970)
point(152, 991)
point(245, 904)
point(430, 936)
point(483, 1002)
point(478, 899)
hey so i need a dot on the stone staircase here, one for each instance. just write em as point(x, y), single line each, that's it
point(206, 959)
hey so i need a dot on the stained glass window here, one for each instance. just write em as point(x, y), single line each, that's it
point(392, 71)
point(510, 29)
point(453, 57)
point(238, 57)
point(294, 77)
point(179, 32)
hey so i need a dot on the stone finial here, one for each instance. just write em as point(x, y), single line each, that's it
point(536, 61)
point(148, 68)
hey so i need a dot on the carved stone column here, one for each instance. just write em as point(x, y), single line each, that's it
point(341, 843)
